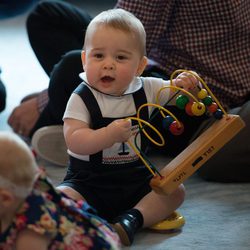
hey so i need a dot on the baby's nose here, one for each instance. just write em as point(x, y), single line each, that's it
point(109, 65)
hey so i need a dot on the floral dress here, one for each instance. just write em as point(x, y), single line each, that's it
point(68, 224)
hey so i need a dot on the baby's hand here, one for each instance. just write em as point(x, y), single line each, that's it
point(120, 130)
point(187, 80)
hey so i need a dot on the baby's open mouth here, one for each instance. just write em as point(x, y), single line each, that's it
point(107, 79)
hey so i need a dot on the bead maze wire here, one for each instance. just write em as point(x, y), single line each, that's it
point(197, 107)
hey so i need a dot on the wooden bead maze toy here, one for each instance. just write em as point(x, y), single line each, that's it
point(224, 128)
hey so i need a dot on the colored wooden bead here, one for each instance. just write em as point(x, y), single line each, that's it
point(202, 94)
point(175, 128)
point(213, 107)
point(166, 121)
point(198, 109)
point(218, 114)
point(207, 100)
point(181, 101)
point(188, 108)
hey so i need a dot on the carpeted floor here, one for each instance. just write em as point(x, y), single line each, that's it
point(217, 215)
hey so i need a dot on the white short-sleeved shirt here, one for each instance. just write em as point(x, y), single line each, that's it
point(116, 106)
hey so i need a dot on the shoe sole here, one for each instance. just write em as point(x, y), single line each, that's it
point(122, 234)
point(49, 144)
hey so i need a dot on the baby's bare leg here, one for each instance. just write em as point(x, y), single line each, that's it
point(155, 207)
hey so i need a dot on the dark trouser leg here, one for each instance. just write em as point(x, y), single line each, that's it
point(55, 28)
point(64, 79)
point(2, 95)
point(232, 162)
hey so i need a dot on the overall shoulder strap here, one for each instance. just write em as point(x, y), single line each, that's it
point(89, 99)
point(140, 99)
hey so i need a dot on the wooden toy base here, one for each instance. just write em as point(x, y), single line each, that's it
point(196, 154)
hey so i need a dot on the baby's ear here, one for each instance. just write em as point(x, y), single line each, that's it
point(6, 198)
point(142, 65)
point(83, 57)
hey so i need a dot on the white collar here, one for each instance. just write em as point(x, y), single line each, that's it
point(134, 86)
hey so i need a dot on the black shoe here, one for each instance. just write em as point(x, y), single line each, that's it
point(127, 224)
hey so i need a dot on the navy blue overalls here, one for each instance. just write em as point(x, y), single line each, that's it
point(109, 188)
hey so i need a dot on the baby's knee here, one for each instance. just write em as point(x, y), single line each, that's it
point(179, 195)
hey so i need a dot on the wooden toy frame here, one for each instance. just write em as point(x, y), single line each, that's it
point(196, 154)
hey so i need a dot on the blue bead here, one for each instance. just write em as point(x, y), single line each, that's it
point(218, 114)
point(166, 122)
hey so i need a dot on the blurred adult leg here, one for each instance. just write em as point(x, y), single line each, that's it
point(63, 80)
point(55, 28)
point(2, 95)
point(232, 162)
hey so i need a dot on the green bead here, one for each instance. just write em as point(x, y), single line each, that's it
point(207, 100)
point(181, 101)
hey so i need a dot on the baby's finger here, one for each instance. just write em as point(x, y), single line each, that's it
point(127, 123)
point(187, 82)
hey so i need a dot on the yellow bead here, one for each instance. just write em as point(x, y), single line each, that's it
point(198, 108)
point(202, 94)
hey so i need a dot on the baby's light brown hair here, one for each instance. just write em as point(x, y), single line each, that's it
point(17, 163)
point(122, 20)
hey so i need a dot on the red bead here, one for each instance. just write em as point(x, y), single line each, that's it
point(175, 129)
point(213, 107)
point(188, 108)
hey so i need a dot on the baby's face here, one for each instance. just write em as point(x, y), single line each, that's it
point(111, 59)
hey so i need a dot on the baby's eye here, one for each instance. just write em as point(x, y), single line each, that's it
point(121, 57)
point(98, 55)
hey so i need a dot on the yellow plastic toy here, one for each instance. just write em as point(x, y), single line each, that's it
point(174, 222)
